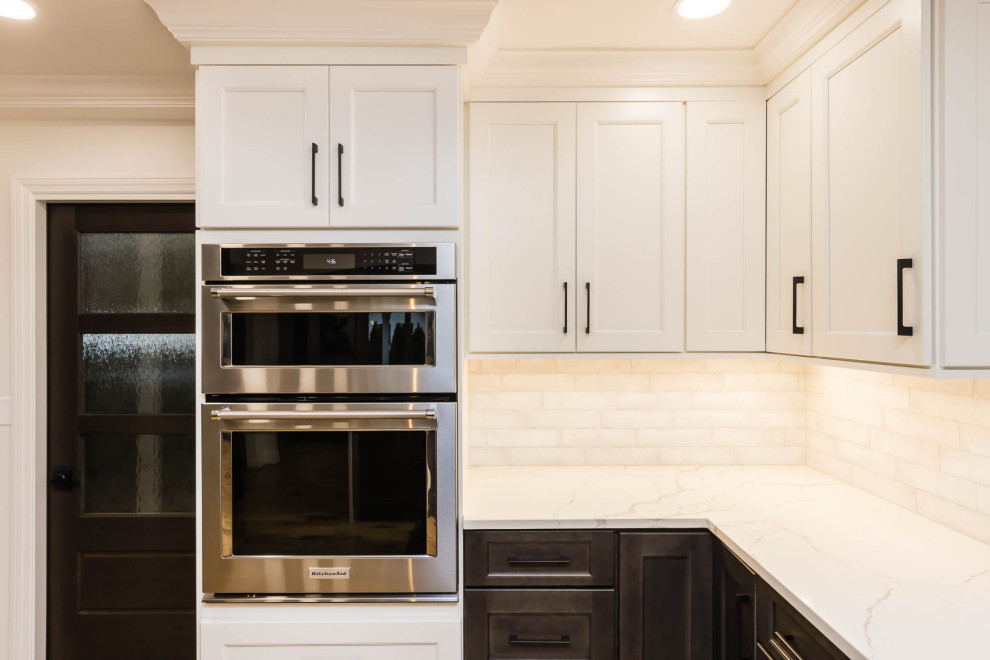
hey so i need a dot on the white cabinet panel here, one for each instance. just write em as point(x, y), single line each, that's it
point(789, 282)
point(725, 226)
point(256, 128)
point(395, 141)
point(355, 636)
point(867, 192)
point(630, 226)
point(965, 286)
point(521, 239)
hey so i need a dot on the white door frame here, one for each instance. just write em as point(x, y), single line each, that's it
point(28, 452)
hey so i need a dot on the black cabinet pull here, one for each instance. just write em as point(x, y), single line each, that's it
point(565, 308)
point(587, 325)
point(563, 641)
point(313, 174)
point(902, 330)
point(340, 188)
point(562, 560)
point(795, 328)
point(782, 644)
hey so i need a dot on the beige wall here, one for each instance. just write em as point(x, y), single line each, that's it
point(635, 412)
point(921, 443)
point(70, 149)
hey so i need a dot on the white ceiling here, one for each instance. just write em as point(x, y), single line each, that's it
point(91, 37)
point(633, 24)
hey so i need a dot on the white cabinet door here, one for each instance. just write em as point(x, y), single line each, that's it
point(965, 285)
point(630, 226)
point(262, 147)
point(868, 193)
point(521, 239)
point(394, 132)
point(726, 226)
point(280, 638)
point(789, 282)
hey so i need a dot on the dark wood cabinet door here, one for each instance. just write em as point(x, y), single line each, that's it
point(539, 624)
point(735, 623)
point(665, 596)
point(539, 558)
point(784, 634)
point(121, 432)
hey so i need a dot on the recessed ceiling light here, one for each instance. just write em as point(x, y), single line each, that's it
point(700, 8)
point(18, 9)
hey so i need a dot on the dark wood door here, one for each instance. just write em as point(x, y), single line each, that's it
point(735, 584)
point(121, 431)
point(665, 596)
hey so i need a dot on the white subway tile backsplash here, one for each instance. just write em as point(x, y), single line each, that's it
point(921, 443)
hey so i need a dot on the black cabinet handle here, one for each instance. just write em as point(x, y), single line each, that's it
point(340, 189)
point(587, 325)
point(313, 174)
point(565, 308)
point(62, 479)
point(902, 330)
point(562, 560)
point(563, 641)
point(795, 328)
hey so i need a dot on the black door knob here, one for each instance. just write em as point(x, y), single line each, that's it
point(62, 478)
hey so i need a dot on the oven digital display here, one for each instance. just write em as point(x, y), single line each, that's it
point(335, 261)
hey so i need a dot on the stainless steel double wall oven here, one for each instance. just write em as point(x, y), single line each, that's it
point(329, 428)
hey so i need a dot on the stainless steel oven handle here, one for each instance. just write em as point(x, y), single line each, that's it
point(298, 292)
point(227, 414)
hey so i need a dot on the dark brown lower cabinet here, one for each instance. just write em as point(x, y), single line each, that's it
point(533, 624)
point(784, 634)
point(680, 595)
point(735, 601)
point(665, 596)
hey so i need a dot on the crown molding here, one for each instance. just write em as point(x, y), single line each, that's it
point(82, 96)
point(800, 29)
point(619, 68)
point(325, 22)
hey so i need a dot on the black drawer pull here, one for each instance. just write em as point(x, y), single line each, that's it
point(795, 328)
point(781, 644)
point(563, 560)
point(563, 641)
point(902, 330)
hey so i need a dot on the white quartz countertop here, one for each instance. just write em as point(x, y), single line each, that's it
point(881, 582)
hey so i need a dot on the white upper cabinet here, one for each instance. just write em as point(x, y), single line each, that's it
point(394, 146)
point(725, 226)
point(262, 147)
point(789, 282)
point(630, 226)
point(521, 238)
point(871, 231)
point(965, 126)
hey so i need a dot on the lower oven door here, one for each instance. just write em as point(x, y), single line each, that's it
point(329, 498)
point(329, 338)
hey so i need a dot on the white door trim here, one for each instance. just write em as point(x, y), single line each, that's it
point(28, 457)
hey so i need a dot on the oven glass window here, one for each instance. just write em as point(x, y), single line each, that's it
point(332, 493)
point(329, 338)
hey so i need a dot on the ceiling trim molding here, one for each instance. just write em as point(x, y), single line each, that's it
point(798, 31)
point(325, 22)
point(619, 68)
point(63, 96)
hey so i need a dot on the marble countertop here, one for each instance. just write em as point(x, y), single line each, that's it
point(881, 582)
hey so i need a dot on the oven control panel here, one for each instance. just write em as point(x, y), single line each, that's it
point(308, 261)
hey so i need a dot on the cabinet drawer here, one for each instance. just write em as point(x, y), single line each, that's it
point(574, 624)
point(786, 635)
point(539, 559)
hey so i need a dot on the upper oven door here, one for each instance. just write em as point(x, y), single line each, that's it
point(329, 338)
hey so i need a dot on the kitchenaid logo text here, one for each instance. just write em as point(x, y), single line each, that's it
point(330, 573)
